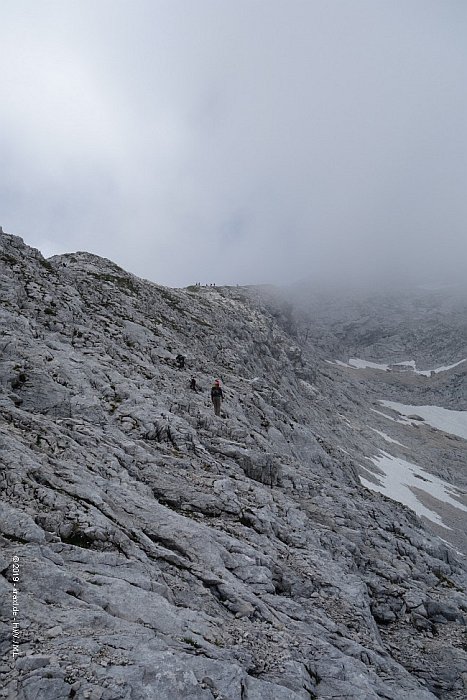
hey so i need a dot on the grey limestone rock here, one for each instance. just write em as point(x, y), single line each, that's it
point(168, 553)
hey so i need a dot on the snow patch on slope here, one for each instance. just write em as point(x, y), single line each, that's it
point(427, 372)
point(387, 438)
point(362, 364)
point(453, 422)
point(385, 415)
point(357, 363)
point(398, 479)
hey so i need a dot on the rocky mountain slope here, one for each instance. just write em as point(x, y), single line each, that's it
point(159, 551)
point(399, 358)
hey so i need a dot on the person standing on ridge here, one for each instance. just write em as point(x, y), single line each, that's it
point(217, 397)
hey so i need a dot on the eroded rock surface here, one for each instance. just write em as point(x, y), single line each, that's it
point(168, 553)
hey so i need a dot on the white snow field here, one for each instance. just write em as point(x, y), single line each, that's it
point(361, 364)
point(453, 422)
point(427, 372)
point(400, 477)
point(356, 363)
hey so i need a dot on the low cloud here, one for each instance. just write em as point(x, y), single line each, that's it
point(255, 142)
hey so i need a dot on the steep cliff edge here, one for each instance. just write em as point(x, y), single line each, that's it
point(166, 553)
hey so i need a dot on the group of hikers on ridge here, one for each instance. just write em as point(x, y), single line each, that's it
point(217, 395)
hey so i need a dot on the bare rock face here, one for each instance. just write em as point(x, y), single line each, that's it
point(160, 551)
point(262, 467)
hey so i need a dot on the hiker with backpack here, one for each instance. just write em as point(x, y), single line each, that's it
point(217, 397)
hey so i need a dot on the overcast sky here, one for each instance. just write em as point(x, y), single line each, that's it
point(238, 142)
